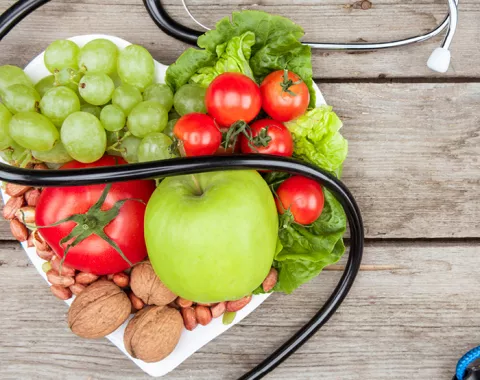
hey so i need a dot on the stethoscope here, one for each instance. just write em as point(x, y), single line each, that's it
point(438, 61)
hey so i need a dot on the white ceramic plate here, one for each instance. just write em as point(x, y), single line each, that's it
point(190, 341)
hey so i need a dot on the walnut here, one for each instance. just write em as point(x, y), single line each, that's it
point(153, 333)
point(98, 310)
point(147, 286)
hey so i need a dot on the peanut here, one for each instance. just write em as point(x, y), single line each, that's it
point(203, 315)
point(189, 319)
point(39, 242)
point(16, 190)
point(56, 279)
point(238, 304)
point(85, 278)
point(19, 231)
point(110, 277)
point(77, 288)
point(45, 255)
point(32, 196)
point(65, 270)
point(61, 292)
point(30, 241)
point(26, 214)
point(41, 166)
point(271, 280)
point(11, 207)
point(121, 279)
point(218, 309)
point(182, 302)
point(205, 304)
point(137, 303)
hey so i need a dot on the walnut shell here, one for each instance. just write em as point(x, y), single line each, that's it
point(147, 286)
point(98, 310)
point(153, 333)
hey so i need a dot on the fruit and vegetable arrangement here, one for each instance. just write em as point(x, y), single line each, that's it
point(181, 251)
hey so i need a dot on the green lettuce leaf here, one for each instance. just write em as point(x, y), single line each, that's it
point(233, 56)
point(318, 140)
point(293, 273)
point(191, 60)
point(306, 250)
point(265, 26)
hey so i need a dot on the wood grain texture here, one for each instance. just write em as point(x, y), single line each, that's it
point(413, 157)
point(326, 21)
point(395, 322)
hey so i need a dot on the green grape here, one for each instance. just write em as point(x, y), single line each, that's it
point(5, 117)
point(57, 155)
point(14, 154)
point(68, 77)
point(10, 75)
point(45, 84)
point(94, 110)
point(61, 54)
point(190, 98)
point(147, 117)
point(129, 148)
point(160, 93)
point(126, 97)
point(58, 103)
point(83, 136)
point(169, 128)
point(135, 66)
point(33, 131)
point(155, 146)
point(96, 89)
point(21, 98)
point(99, 56)
point(112, 118)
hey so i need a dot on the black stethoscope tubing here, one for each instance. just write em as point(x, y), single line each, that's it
point(192, 165)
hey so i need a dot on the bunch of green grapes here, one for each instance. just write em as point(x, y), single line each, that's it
point(97, 99)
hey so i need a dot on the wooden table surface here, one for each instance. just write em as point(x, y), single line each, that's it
point(413, 166)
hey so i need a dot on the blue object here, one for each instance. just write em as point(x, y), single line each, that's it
point(466, 361)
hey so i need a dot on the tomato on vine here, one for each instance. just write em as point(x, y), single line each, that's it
point(232, 97)
point(198, 134)
point(302, 197)
point(284, 95)
point(96, 228)
point(268, 137)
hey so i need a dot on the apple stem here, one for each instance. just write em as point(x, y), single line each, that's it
point(197, 186)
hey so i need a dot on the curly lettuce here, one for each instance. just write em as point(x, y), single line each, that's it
point(254, 43)
point(318, 140)
point(233, 56)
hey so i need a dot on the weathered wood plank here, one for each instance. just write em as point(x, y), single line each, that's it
point(413, 157)
point(330, 21)
point(396, 322)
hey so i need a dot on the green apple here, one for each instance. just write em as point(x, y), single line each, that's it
point(211, 237)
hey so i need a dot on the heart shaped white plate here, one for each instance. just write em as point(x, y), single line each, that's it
point(190, 341)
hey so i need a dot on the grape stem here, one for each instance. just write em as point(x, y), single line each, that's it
point(117, 143)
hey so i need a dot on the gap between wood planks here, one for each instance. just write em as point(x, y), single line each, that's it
point(413, 80)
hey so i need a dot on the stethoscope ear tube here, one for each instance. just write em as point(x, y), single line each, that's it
point(180, 166)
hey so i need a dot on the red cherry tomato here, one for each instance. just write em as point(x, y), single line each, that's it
point(284, 95)
point(232, 97)
point(94, 254)
point(198, 133)
point(303, 197)
point(269, 137)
